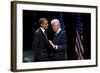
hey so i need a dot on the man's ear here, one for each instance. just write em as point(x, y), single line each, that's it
point(41, 24)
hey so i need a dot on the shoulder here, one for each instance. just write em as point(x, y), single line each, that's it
point(37, 32)
point(63, 32)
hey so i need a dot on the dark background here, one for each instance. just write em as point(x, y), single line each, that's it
point(30, 25)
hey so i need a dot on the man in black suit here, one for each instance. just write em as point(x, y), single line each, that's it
point(40, 41)
point(59, 44)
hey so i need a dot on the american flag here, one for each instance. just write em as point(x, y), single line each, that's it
point(79, 48)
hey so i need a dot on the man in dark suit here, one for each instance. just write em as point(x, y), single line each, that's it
point(59, 44)
point(40, 41)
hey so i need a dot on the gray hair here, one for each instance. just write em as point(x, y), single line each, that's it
point(55, 21)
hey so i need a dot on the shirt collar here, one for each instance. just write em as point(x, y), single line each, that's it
point(58, 30)
point(42, 29)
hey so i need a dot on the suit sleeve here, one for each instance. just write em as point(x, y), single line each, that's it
point(35, 43)
point(63, 41)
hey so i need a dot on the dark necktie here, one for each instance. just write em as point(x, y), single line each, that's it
point(56, 34)
point(55, 37)
point(46, 36)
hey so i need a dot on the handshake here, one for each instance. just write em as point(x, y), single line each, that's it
point(52, 44)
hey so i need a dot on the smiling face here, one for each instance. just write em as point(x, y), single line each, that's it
point(55, 27)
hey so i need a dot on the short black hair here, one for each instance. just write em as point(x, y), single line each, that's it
point(41, 20)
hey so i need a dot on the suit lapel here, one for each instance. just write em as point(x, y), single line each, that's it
point(56, 36)
point(43, 35)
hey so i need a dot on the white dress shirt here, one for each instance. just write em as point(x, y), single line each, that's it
point(58, 30)
point(42, 29)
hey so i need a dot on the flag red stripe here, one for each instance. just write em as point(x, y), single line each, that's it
point(79, 46)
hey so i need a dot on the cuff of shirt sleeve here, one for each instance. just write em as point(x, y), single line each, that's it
point(56, 47)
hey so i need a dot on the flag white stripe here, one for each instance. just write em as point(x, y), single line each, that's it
point(79, 46)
